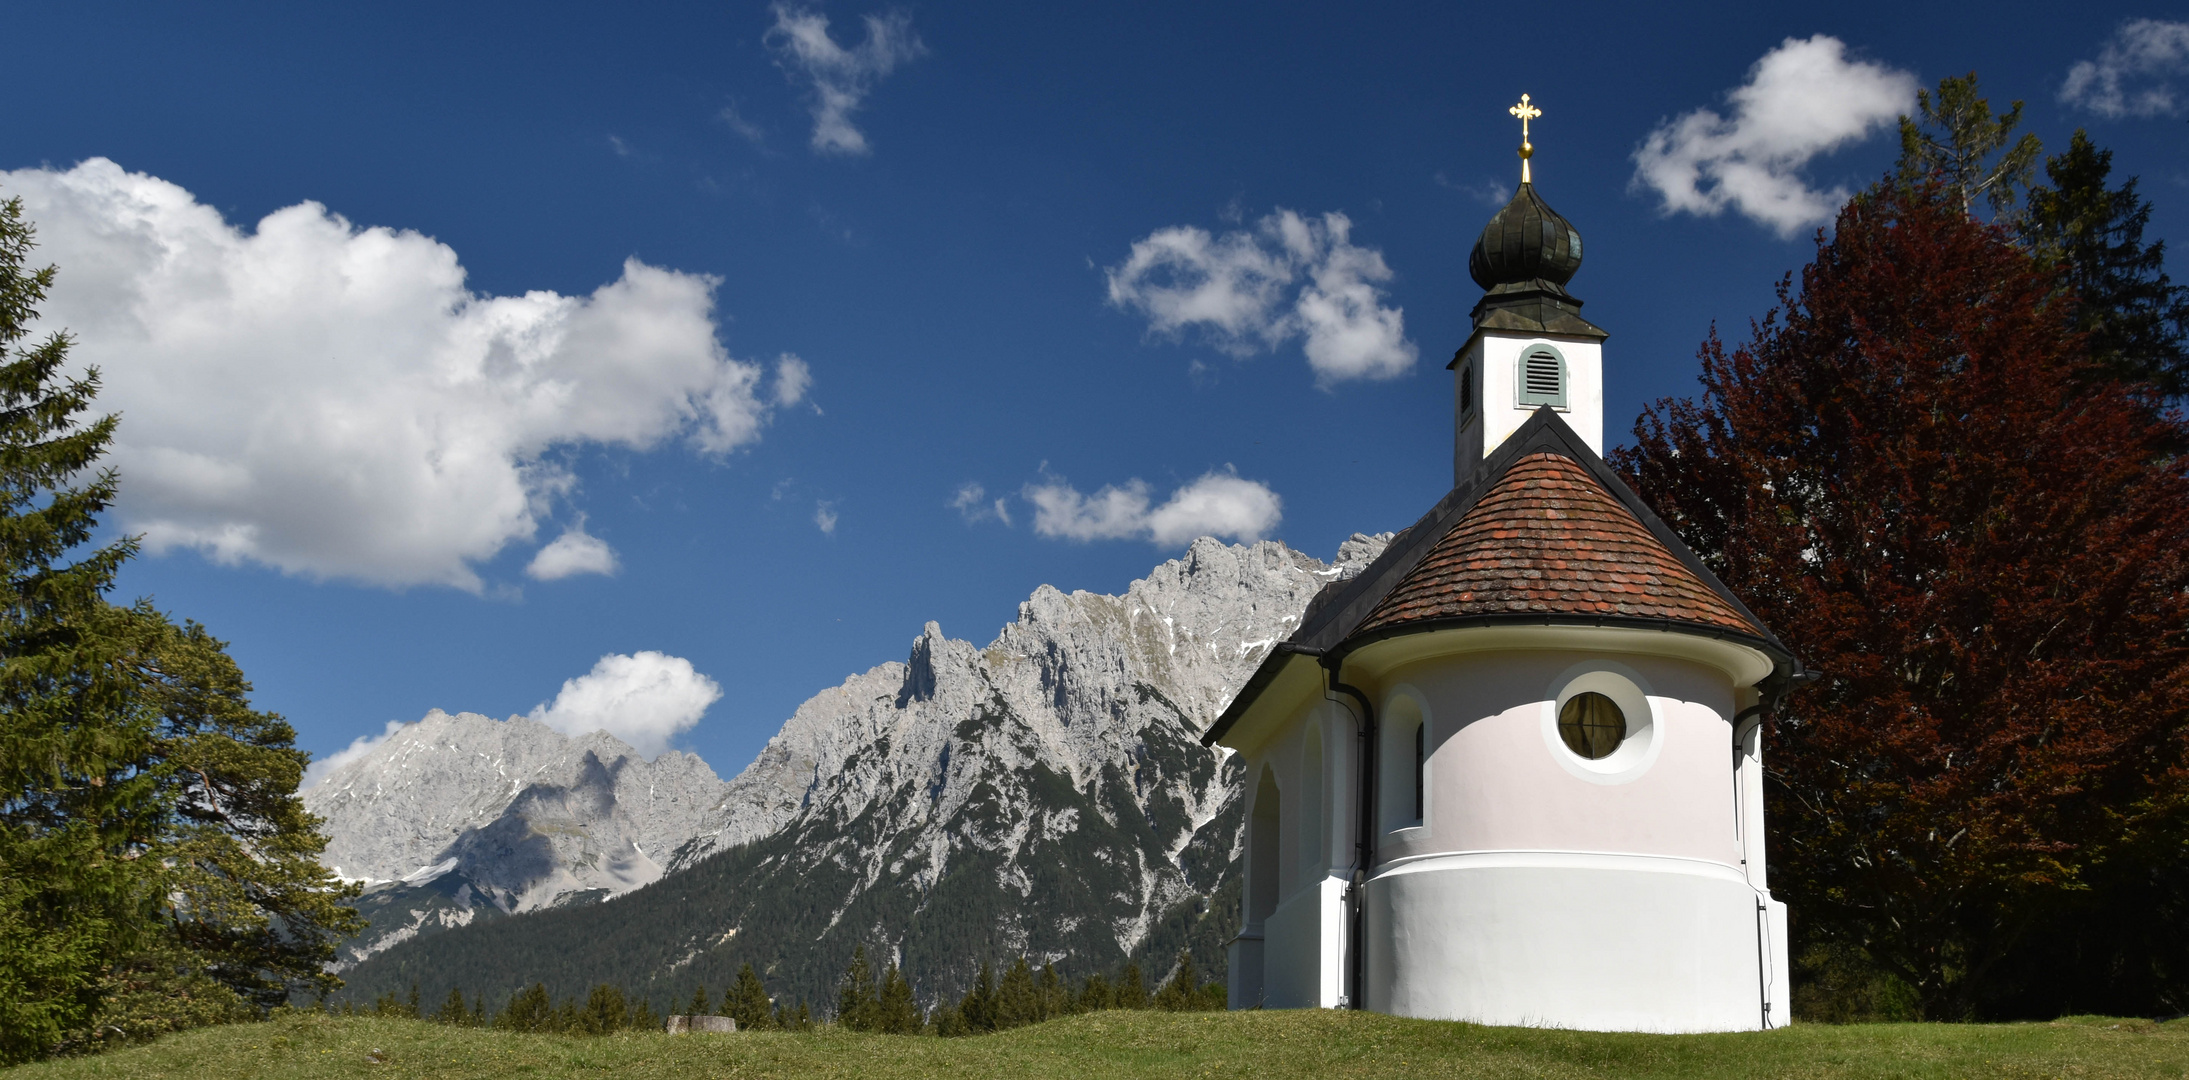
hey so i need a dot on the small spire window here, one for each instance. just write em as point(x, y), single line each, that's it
point(1542, 378)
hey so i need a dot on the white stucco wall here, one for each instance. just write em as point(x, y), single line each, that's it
point(1493, 359)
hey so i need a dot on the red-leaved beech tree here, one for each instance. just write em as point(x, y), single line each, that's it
point(1985, 556)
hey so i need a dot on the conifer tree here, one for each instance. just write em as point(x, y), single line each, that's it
point(979, 1005)
point(453, 1011)
point(798, 1019)
point(1017, 1003)
point(605, 1011)
point(699, 1006)
point(1096, 994)
point(2134, 318)
point(528, 1010)
point(1183, 992)
point(1908, 475)
point(642, 1017)
point(747, 1001)
point(1132, 989)
point(895, 1013)
point(1056, 998)
point(855, 999)
point(1956, 138)
point(156, 868)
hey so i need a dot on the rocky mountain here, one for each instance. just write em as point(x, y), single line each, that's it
point(456, 817)
point(1045, 794)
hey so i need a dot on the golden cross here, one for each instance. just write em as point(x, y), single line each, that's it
point(1525, 112)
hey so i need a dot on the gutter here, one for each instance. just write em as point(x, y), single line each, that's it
point(1364, 845)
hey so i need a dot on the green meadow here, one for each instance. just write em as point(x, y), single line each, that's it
point(1254, 1045)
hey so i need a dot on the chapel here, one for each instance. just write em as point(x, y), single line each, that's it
point(1512, 771)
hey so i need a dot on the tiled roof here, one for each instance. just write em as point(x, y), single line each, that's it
point(1548, 539)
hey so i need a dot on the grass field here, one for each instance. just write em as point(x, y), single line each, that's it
point(1256, 1045)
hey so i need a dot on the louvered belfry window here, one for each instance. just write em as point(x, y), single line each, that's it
point(1542, 378)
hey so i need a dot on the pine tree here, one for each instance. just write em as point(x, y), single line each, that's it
point(1056, 998)
point(2135, 319)
point(979, 1005)
point(156, 868)
point(528, 1010)
point(1017, 1004)
point(453, 1011)
point(1908, 475)
point(1132, 989)
point(855, 998)
point(798, 1019)
point(747, 1001)
point(699, 1006)
point(1954, 137)
point(895, 1013)
point(643, 1018)
point(1096, 994)
point(1183, 992)
point(605, 1011)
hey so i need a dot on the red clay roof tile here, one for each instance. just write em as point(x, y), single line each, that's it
point(1548, 539)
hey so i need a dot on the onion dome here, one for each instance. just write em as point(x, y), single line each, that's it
point(1527, 241)
point(1524, 258)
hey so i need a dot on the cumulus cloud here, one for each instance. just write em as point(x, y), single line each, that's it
point(792, 379)
point(1802, 99)
point(1220, 503)
point(333, 401)
point(645, 699)
point(2133, 73)
point(359, 747)
point(841, 78)
point(1248, 290)
point(971, 503)
point(824, 516)
point(574, 552)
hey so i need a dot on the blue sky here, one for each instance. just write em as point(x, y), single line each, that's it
point(729, 308)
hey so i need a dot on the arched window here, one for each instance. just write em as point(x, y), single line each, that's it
point(1466, 391)
point(1402, 799)
point(1314, 851)
point(1262, 849)
point(1421, 767)
point(1542, 378)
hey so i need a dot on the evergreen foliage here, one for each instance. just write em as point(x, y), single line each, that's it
point(2135, 320)
point(747, 1001)
point(1957, 140)
point(156, 868)
point(1909, 474)
point(858, 1005)
point(895, 1013)
point(1132, 989)
point(699, 1006)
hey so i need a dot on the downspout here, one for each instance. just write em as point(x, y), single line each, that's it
point(1770, 692)
point(1364, 845)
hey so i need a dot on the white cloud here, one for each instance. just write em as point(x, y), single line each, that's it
point(1217, 504)
point(824, 516)
point(644, 699)
point(333, 401)
point(574, 552)
point(1802, 99)
point(792, 379)
point(1238, 289)
point(359, 747)
point(971, 503)
point(2130, 76)
point(737, 123)
point(842, 78)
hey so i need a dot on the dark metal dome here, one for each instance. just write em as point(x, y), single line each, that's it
point(1526, 242)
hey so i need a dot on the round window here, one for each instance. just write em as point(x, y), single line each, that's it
point(1592, 725)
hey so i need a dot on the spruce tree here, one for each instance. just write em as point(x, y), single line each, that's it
point(747, 1001)
point(699, 1006)
point(453, 1011)
point(605, 1011)
point(1017, 1003)
point(1183, 992)
point(642, 1017)
point(895, 1013)
point(855, 998)
point(979, 1005)
point(1096, 994)
point(2135, 320)
point(1132, 989)
point(1056, 998)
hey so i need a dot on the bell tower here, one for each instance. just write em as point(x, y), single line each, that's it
point(1530, 349)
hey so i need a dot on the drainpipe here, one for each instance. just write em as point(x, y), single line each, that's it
point(1364, 846)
